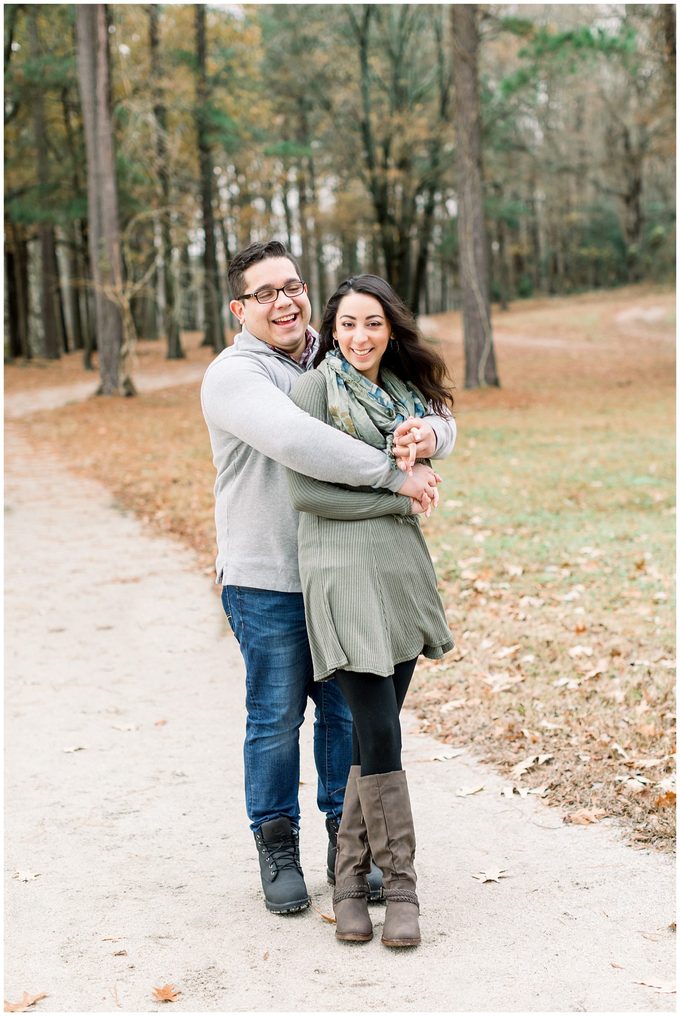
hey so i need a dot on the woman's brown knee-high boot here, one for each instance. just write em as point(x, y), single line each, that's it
point(352, 864)
point(386, 808)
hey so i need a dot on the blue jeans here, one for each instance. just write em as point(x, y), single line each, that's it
point(272, 635)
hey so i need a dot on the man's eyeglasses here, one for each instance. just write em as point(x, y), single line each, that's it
point(271, 294)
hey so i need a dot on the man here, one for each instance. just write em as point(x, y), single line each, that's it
point(256, 432)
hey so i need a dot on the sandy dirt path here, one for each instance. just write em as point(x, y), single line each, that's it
point(146, 870)
point(18, 404)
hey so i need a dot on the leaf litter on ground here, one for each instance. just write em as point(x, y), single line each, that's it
point(26, 1002)
point(167, 993)
point(493, 875)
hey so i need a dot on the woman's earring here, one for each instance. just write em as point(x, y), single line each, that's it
point(335, 342)
point(393, 342)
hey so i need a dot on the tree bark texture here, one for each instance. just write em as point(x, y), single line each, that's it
point(17, 278)
point(103, 228)
point(214, 324)
point(170, 312)
point(49, 281)
point(480, 361)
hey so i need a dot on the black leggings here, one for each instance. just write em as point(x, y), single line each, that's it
point(375, 703)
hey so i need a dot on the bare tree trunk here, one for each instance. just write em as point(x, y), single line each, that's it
point(76, 266)
point(667, 12)
point(72, 294)
point(305, 260)
point(419, 285)
point(16, 262)
point(188, 291)
point(377, 182)
point(103, 228)
point(48, 281)
point(12, 345)
point(321, 287)
point(59, 295)
point(88, 297)
point(170, 315)
point(286, 209)
point(214, 324)
point(22, 281)
point(480, 361)
point(633, 221)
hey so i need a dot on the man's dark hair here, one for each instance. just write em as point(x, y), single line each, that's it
point(250, 255)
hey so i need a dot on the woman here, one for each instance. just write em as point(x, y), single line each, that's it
point(369, 587)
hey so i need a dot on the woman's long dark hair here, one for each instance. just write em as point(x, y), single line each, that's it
point(407, 357)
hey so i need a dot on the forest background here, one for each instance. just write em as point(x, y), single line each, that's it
point(334, 128)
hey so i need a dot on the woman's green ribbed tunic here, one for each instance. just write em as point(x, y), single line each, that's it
point(369, 586)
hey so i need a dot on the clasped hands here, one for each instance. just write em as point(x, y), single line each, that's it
point(413, 440)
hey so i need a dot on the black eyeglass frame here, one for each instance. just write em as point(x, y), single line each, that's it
point(279, 289)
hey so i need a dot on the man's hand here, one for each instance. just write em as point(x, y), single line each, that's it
point(413, 439)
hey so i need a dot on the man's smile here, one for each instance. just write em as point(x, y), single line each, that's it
point(286, 319)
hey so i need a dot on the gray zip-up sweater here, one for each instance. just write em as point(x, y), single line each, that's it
point(255, 432)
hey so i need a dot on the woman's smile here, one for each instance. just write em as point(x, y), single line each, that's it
point(362, 332)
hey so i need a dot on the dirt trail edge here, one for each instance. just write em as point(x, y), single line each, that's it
point(136, 866)
point(18, 404)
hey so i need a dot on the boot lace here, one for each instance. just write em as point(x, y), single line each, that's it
point(283, 853)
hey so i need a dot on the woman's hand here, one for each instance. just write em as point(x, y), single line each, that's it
point(418, 509)
point(421, 486)
point(413, 439)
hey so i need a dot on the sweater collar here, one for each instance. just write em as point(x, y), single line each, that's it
point(245, 340)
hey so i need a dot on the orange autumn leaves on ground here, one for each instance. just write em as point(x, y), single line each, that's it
point(167, 993)
point(25, 1003)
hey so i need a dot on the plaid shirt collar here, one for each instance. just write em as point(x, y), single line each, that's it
point(307, 353)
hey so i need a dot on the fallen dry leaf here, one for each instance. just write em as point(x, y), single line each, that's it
point(26, 876)
point(507, 651)
point(528, 763)
point(77, 747)
point(452, 704)
point(502, 682)
point(159, 723)
point(446, 755)
point(495, 875)
point(121, 952)
point(666, 800)
point(663, 987)
point(636, 784)
point(669, 782)
point(617, 966)
point(523, 792)
point(566, 682)
point(26, 1001)
point(324, 917)
point(585, 816)
point(168, 993)
point(598, 670)
point(466, 791)
point(125, 727)
point(579, 651)
point(265, 956)
point(647, 763)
